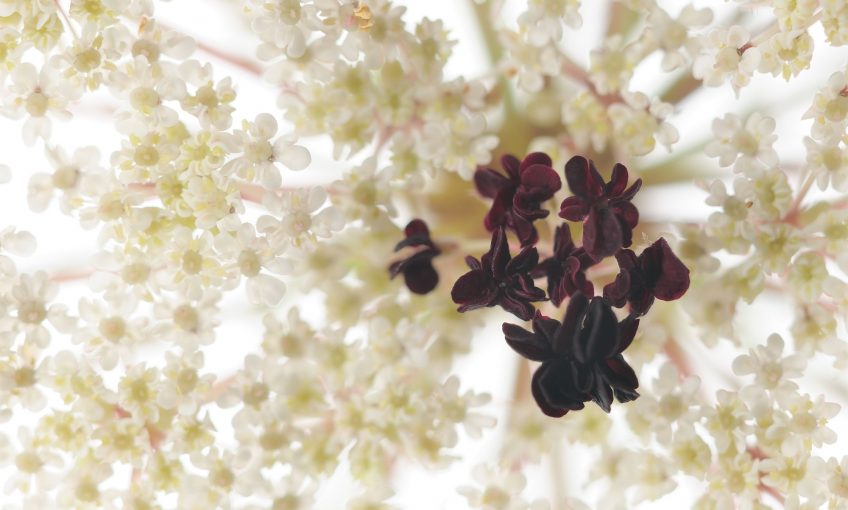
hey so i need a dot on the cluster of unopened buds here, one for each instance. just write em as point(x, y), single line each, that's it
point(582, 356)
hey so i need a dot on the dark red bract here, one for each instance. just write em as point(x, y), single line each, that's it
point(517, 197)
point(609, 216)
point(418, 272)
point(655, 273)
point(498, 279)
point(581, 357)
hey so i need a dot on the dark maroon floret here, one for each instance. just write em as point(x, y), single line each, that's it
point(581, 357)
point(655, 273)
point(518, 196)
point(609, 215)
point(418, 272)
point(566, 269)
point(498, 279)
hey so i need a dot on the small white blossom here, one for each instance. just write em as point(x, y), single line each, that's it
point(771, 369)
point(35, 93)
point(747, 146)
point(260, 154)
point(727, 53)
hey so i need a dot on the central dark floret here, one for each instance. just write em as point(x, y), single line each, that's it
point(582, 355)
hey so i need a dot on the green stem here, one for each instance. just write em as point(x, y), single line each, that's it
point(514, 134)
point(680, 89)
point(621, 20)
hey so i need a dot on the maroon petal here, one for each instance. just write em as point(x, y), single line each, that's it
point(574, 268)
point(597, 335)
point(540, 394)
point(615, 293)
point(626, 259)
point(563, 243)
point(489, 182)
point(497, 215)
point(521, 309)
point(602, 235)
point(417, 234)
point(602, 393)
point(524, 262)
point(618, 180)
point(496, 260)
point(574, 313)
point(530, 345)
point(534, 158)
point(543, 177)
point(525, 231)
point(626, 332)
point(511, 166)
point(523, 289)
point(583, 178)
point(545, 326)
point(558, 290)
point(673, 279)
point(416, 227)
point(620, 374)
point(421, 277)
point(473, 290)
point(473, 263)
point(641, 300)
point(573, 209)
point(628, 213)
point(632, 190)
point(623, 395)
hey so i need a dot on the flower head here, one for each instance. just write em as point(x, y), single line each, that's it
point(499, 279)
point(655, 273)
point(417, 269)
point(518, 197)
point(581, 357)
point(609, 216)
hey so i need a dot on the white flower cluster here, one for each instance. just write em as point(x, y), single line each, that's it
point(176, 237)
point(344, 67)
point(604, 111)
point(757, 439)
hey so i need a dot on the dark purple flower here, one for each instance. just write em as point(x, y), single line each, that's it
point(655, 273)
point(581, 357)
point(418, 272)
point(498, 279)
point(566, 268)
point(518, 195)
point(610, 217)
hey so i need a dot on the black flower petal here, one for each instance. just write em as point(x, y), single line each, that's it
point(500, 280)
point(606, 209)
point(418, 272)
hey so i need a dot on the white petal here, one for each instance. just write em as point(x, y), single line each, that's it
point(265, 125)
point(297, 45)
point(5, 174)
point(317, 197)
point(180, 47)
point(21, 243)
point(264, 289)
point(280, 265)
point(743, 365)
point(295, 157)
point(269, 176)
point(109, 359)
